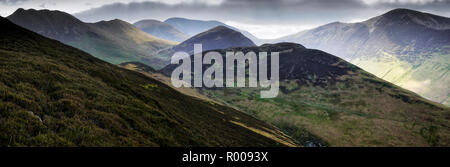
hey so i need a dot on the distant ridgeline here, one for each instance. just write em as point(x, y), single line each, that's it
point(114, 41)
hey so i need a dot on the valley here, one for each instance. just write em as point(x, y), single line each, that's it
point(54, 95)
point(374, 83)
point(326, 101)
point(408, 48)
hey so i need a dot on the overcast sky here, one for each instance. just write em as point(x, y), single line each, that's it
point(263, 18)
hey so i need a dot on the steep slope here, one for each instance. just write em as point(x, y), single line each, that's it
point(219, 37)
point(408, 48)
point(55, 95)
point(161, 30)
point(114, 41)
point(194, 27)
point(137, 65)
point(326, 100)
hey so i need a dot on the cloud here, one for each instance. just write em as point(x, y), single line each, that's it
point(269, 31)
point(11, 2)
point(282, 15)
point(436, 5)
point(253, 11)
point(255, 14)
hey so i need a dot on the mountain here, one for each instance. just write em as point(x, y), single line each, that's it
point(408, 48)
point(324, 100)
point(194, 27)
point(219, 37)
point(56, 95)
point(114, 41)
point(161, 30)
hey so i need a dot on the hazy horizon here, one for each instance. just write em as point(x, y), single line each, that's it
point(266, 19)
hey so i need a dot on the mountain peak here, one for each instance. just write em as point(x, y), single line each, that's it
point(221, 28)
point(148, 21)
point(151, 23)
point(175, 18)
point(411, 16)
point(42, 14)
point(114, 21)
point(219, 37)
point(21, 10)
point(161, 30)
point(192, 27)
point(403, 11)
point(283, 45)
point(115, 41)
point(116, 24)
point(50, 23)
point(172, 19)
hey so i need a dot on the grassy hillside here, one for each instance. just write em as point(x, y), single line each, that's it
point(408, 48)
point(55, 95)
point(325, 100)
point(161, 30)
point(114, 41)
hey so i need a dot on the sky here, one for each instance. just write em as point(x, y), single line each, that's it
point(266, 19)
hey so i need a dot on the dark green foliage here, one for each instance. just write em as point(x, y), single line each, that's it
point(430, 134)
point(301, 135)
point(54, 95)
point(326, 100)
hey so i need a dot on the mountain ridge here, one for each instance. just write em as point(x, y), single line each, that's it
point(193, 27)
point(115, 41)
point(161, 30)
point(56, 95)
point(219, 37)
point(405, 47)
point(325, 100)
